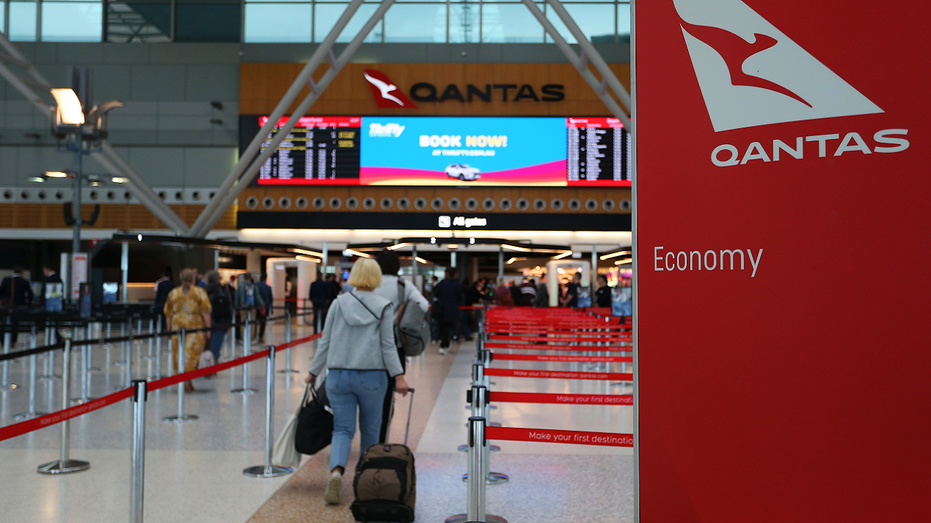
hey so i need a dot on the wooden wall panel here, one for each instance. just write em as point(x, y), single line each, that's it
point(112, 216)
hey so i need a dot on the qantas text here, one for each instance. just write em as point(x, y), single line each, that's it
point(884, 141)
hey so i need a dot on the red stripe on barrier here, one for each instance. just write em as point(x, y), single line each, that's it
point(562, 399)
point(295, 343)
point(200, 373)
point(571, 437)
point(558, 374)
point(497, 356)
point(576, 348)
point(18, 429)
point(562, 339)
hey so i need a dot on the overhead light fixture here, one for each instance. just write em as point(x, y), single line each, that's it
point(119, 179)
point(612, 255)
point(515, 248)
point(308, 252)
point(433, 240)
point(452, 246)
point(471, 241)
point(139, 237)
point(512, 260)
point(563, 255)
point(353, 252)
point(69, 110)
point(307, 259)
point(624, 261)
point(36, 179)
point(421, 260)
point(56, 174)
point(397, 246)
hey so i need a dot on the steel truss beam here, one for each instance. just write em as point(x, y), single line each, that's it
point(245, 169)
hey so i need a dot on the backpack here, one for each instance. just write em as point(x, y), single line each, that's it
point(411, 329)
point(222, 313)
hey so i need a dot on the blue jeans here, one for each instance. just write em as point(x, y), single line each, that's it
point(216, 343)
point(346, 390)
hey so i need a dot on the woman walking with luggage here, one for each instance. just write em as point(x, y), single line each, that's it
point(356, 348)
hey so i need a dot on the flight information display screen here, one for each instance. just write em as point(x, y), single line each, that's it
point(445, 151)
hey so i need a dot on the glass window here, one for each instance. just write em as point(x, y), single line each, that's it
point(326, 15)
point(288, 23)
point(416, 23)
point(510, 23)
point(23, 21)
point(207, 21)
point(138, 22)
point(595, 20)
point(464, 22)
point(623, 22)
point(72, 21)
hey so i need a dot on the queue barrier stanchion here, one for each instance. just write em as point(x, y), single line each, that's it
point(287, 339)
point(246, 350)
point(31, 413)
point(158, 349)
point(180, 417)
point(268, 470)
point(137, 491)
point(65, 465)
point(127, 375)
point(89, 335)
point(6, 386)
point(85, 376)
point(51, 338)
point(479, 405)
point(123, 360)
point(150, 357)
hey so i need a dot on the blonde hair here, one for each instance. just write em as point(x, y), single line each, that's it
point(186, 276)
point(365, 274)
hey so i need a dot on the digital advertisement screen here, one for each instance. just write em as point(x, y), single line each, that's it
point(446, 151)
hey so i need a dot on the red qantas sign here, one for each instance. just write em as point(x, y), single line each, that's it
point(386, 93)
point(774, 141)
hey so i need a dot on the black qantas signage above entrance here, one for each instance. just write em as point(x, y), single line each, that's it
point(433, 221)
point(388, 95)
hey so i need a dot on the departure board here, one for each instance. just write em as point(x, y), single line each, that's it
point(318, 150)
point(598, 150)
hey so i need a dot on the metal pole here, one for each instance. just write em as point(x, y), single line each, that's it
point(476, 490)
point(136, 493)
point(246, 349)
point(123, 359)
point(76, 197)
point(65, 465)
point(414, 265)
point(6, 386)
point(500, 263)
point(151, 331)
point(287, 338)
point(129, 355)
point(158, 349)
point(89, 335)
point(31, 413)
point(124, 271)
point(268, 470)
point(50, 339)
point(181, 417)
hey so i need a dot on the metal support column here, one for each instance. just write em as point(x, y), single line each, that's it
point(124, 270)
point(137, 492)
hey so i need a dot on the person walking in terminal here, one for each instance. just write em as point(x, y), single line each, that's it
point(247, 300)
point(265, 291)
point(603, 292)
point(163, 286)
point(321, 295)
point(571, 299)
point(356, 348)
point(448, 295)
point(15, 292)
point(188, 308)
point(221, 317)
point(390, 265)
point(542, 299)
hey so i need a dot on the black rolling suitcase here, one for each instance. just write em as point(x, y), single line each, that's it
point(385, 484)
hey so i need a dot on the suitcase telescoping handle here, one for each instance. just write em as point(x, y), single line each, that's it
point(410, 409)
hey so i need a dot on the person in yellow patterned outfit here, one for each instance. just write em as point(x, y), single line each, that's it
point(188, 307)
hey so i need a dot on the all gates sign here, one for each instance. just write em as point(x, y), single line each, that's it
point(783, 237)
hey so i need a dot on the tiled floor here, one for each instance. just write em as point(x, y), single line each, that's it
point(194, 470)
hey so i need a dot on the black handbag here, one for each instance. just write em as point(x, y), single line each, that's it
point(314, 422)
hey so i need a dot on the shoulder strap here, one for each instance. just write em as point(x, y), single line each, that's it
point(364, 305)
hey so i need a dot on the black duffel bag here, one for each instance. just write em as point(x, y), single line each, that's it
point(314, 423)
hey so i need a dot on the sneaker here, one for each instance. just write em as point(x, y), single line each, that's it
point(444, 351)
point(331, 496)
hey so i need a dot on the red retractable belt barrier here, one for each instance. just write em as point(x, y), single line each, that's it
point(561, 399)
point(576, 338)
point(604, 439)
point(213, 369)
point(577, 348)
point(18, 429)
point(497, 356)
point(558, 374)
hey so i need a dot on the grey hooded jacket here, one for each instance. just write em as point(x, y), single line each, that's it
point(358, 338)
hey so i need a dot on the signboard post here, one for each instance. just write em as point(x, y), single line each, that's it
point(782, 242)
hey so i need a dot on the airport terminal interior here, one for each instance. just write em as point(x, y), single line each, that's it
point(481, 141)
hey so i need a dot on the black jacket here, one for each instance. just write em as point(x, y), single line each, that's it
point(450, 295)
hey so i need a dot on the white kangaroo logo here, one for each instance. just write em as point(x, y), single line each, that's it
point(384, 88)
